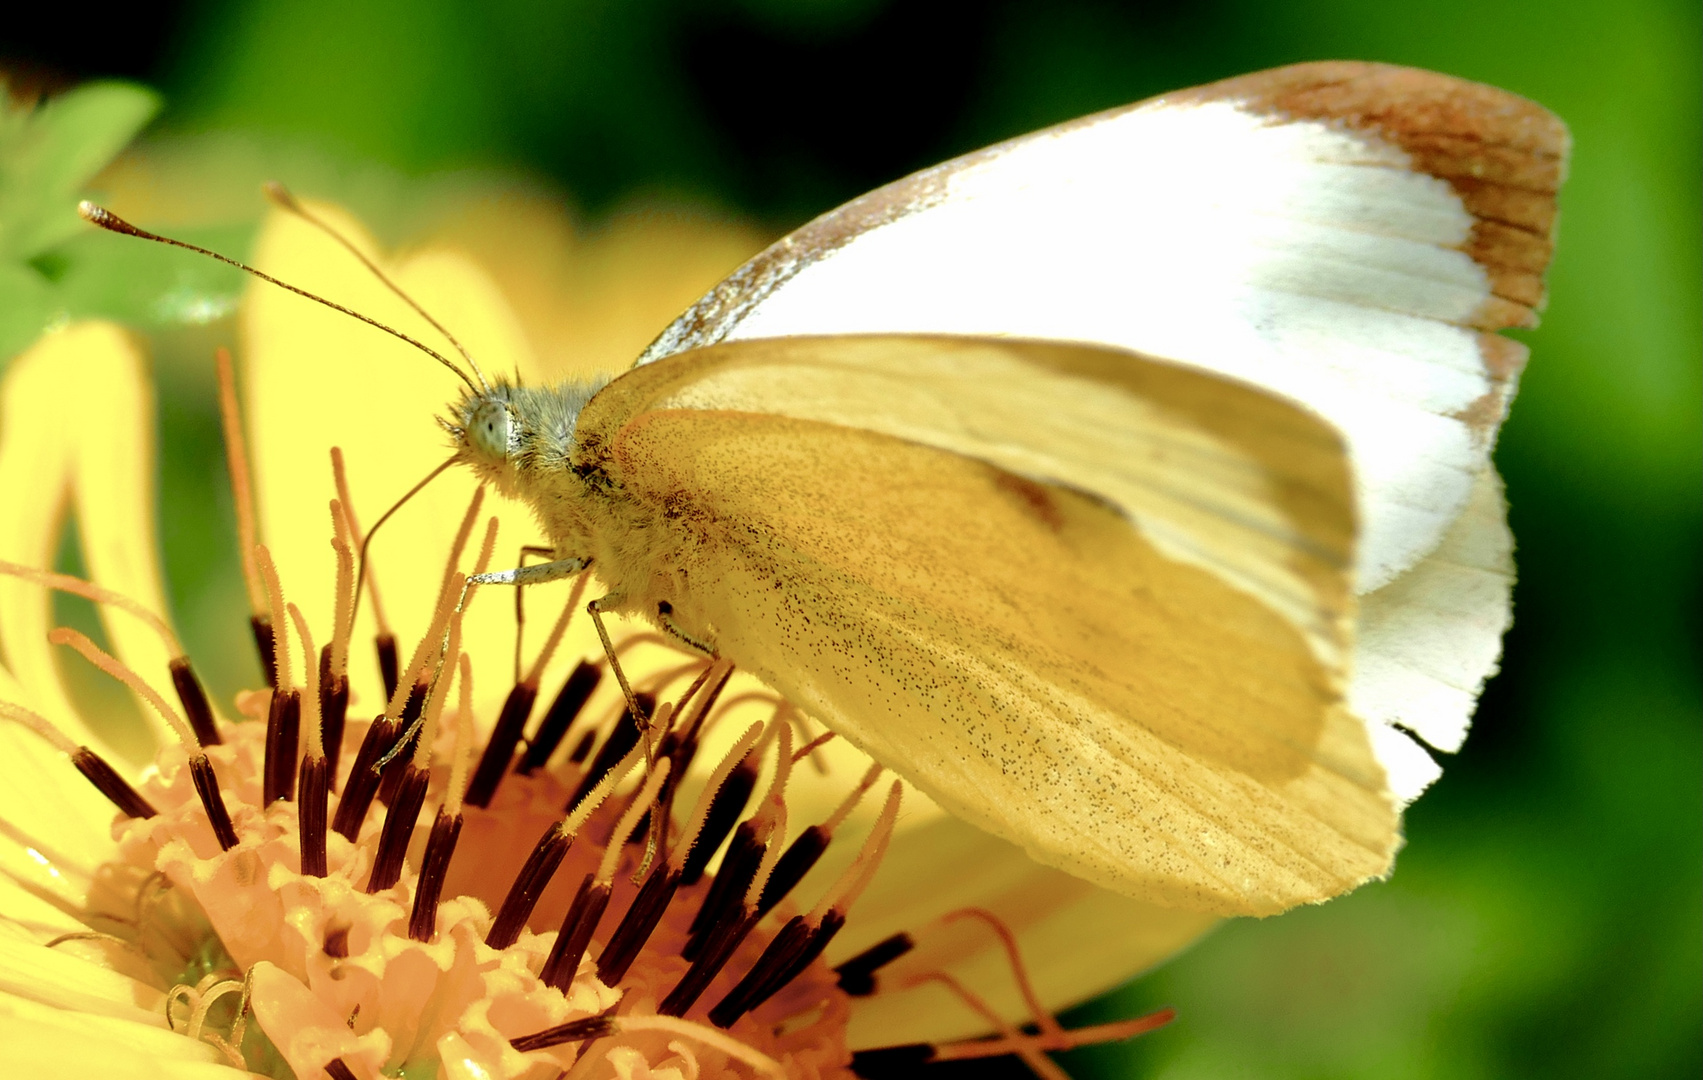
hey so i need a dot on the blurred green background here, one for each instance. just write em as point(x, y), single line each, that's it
point(1546, 918)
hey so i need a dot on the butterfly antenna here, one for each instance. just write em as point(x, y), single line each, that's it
point(280, 196)
point(111, 222)
point(361, 566)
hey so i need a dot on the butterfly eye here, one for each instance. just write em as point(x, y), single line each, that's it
point(489, 430)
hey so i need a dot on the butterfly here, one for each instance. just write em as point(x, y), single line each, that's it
point(1126, 486)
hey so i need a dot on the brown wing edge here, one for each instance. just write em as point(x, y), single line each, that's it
point(1504, 155)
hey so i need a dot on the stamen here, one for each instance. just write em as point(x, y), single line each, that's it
point(1043, 1018)
point(90, 591)
point(629, 820)
point(310, 711)
point(364, 776)
point(398, 829)
point(587, 1027)
point(405, 807)
point(92, 653)
point(546, 856)
point(313, 790)
point(1039, 1064)
point(337, 1070)
point(575, 692)
point(581, 921)
point(334, 658)
point(653, 898)
point(207, 786)
point(333, 708)
point(593, 896)
point(454, 593)
point(499, 751)
point(356, 539)
point(621, 739)
point(93, 767)
point(728, 914)
point(434, 866)
point(857, 975)
point(728, 803)
point(1116, 1031)
point(283, 720)
point(693, 839)
point(804, 937)
point(275, 614)
point(716, 675)
point(283, 744)
point(719, 914)
point(242, 494)
point(313, 796)
point(801, 855)
point(463, 737)
point(193, 697)
point(811, 747)
point(389, 662)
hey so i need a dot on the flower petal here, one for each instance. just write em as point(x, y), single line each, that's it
point(40, 1040)
point(101, 463)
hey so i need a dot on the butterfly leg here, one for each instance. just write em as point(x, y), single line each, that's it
point(519, 607)
point(665, 617)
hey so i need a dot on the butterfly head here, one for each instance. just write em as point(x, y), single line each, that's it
point(519, 437)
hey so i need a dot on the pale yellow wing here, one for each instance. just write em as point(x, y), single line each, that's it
point(1092, 602)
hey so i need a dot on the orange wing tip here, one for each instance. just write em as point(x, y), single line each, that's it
point(1503, 155)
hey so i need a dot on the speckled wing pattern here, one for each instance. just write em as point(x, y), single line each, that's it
point(1096, 603)
point(1351, 236)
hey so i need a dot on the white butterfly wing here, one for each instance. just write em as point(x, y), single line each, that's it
point(1347, 235)
point(1098, 604)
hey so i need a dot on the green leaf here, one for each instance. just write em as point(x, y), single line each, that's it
point(49, 152)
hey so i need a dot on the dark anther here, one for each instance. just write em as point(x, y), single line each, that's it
point(266, 641)
point(333, 708)
point(725, 809)
point(388, 663)
point(207, 786)
point(791, 951)
point(574, 694)
point(362, 785)
point(399, 823)
point(577, 927)
point(312, 793)
point(528, 886)
point(336, 943)
point(433, 867)
point(283, 744)
point(706, 966)
point(623, 738)
point(194, 699)
point(637, 925)
point(890, 1061)
point(582, 749)
point(727, 889)
point(500, 750)
point(392, 778)
point(591, 1027)
point(128, 800)
point(338, 1070)
point(793, 864)
point(857, 975)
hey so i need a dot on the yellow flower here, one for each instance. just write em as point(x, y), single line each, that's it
point(129, 944)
